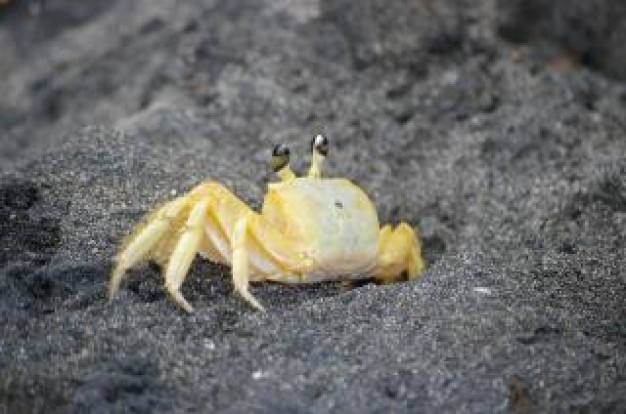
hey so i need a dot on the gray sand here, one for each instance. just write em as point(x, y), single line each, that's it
point(510, 159)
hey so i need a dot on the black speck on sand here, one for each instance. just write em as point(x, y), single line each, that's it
point(498, 129)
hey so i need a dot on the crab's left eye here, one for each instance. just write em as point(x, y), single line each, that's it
point(280, 157)
point(320, 144)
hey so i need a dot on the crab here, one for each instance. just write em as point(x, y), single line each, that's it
point(310, 229)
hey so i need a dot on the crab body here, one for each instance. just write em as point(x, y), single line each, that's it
point(310, 229)
point(330, 223)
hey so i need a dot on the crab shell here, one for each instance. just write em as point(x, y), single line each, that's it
point(331, 223)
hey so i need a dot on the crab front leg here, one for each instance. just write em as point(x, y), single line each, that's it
point(260, 252)
point(213, 229)
point(241, 254)
point(399, 251)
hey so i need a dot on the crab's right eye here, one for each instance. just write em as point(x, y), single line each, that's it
point(320, 144)
point(280, 157)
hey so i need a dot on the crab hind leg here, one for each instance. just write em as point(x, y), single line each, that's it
point(164, 248)
point(144, 240)
point(185, 251)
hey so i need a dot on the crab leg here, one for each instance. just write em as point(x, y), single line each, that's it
point(209, 220)
point(241, 269)
point(185, 251)
point(144, 241)
point(399, 250)
point(218, 228)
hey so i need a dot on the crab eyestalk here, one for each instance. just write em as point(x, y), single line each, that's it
point(280, 162)
point(319, 147)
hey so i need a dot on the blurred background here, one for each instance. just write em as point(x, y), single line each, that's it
point(293, 64)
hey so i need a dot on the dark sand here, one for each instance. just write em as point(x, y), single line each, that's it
point(498, 131)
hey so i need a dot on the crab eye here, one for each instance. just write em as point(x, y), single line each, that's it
point(280, 157)
point(320, 144)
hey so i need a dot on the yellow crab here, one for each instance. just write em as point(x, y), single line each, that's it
point(310, 229)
